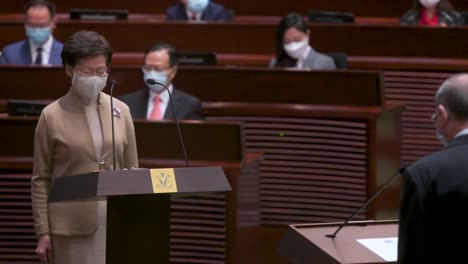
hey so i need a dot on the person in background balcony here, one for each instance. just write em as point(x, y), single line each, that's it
point(152, 103)
point(432, 13)
point(40, 48)
point(293, 49)
point(197, 10)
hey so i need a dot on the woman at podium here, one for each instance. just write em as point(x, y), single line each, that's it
point(74, 136)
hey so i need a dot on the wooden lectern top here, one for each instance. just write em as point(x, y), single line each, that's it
point(308, 243)
point(102, 184)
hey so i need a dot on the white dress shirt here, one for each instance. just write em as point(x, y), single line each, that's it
point(190, 15)
point(94, 122)
point(300, 61)
point(462, 133)
point(164, 96)
point(46, 49)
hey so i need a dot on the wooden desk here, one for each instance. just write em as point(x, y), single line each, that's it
point(246, 38)
point(208, 222)
point(376, 8)
point(213, 84)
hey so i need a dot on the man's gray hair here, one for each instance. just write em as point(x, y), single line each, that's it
point(453, 95)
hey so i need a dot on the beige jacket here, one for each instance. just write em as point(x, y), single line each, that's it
point(63, 146)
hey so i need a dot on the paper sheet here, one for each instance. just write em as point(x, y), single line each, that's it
point(386, 248)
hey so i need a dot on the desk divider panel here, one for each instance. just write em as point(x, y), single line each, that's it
point(247, 7)
point(250, 38)
point(214, 84)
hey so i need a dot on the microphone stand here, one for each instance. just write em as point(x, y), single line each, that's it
point(181, 139)
point(389, 180)
point(114, 82)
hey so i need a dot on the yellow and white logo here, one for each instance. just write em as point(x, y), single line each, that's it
point(163, 180)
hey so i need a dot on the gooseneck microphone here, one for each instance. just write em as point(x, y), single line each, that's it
point(153, 82)
point(113, 83)
point(389, 180)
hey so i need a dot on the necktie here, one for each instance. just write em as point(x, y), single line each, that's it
point(39, 56)
point(156, 113)
point(194, 17)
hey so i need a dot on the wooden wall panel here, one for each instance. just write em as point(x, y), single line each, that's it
point(416, 90)
point(17, 237)
point(198, 233)
point(313, 170)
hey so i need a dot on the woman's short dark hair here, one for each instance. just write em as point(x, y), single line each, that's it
point(291, 20)
point(443, 5)
point(85, 44)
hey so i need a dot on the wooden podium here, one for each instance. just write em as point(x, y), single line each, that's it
point(138, 205)
point(307, 243)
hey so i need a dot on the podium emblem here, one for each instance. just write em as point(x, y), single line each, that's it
point(163, 180)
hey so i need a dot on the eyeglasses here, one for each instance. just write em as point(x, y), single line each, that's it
point(434, 117)
point(37, 26)
point(147, 67)
point(87, 71)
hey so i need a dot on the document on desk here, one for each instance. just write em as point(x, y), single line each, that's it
point(386, 247)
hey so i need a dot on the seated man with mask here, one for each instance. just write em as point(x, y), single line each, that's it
point(40, 48)
point(152, 103)
point(197, 10)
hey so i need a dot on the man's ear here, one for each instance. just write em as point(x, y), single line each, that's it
point(69, 71)
point(53, 24)
point(443, 115)
point(173, 73)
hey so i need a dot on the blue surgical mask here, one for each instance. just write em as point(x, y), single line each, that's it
point(197, 6)
point(158, 76)
point(38, 35)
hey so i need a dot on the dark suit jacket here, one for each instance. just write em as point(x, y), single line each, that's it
point(213, 12)
point(20, 53)
point(185, 105)
point(434, 207)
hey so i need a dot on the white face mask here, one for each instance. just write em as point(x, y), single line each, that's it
point(158, 76)
point(439, 135)
point(296, 49)
point(197, 6)
point(429, 3)
point(88, 87)
point(441, 138)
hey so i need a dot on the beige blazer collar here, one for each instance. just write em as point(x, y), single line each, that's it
point(74, 107)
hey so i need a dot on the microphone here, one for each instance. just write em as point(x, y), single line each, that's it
point(113, 83)
point(181, 139)
point(389, 180)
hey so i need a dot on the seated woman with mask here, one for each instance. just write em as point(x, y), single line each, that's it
point(293, 49)
point(432, 13)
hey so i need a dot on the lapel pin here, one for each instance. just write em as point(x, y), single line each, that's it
point(116, 112)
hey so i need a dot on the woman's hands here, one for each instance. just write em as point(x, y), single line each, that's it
point(44, 249)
